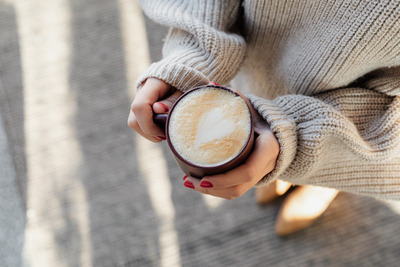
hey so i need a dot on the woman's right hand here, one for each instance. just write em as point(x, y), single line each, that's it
point(155, 96)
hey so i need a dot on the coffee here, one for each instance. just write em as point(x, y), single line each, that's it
point(210, 126)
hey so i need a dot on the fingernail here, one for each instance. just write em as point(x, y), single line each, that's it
point(188, 184)
point(206, 184)
point(161, 137)
point(184, 177)
point(216, 83)
point(165, 107)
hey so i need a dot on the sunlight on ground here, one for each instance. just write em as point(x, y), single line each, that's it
point(133, 34)
point(44, 30)
point(154, 172)
point(213, 202)
point(393, 205)
point(150, 156)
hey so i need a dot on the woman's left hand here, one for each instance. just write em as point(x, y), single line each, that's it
point(239, 180)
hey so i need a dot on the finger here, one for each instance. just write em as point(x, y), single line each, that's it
point(165, 105)
point(260, 162)
point(142, 120)
point(212, 83)
point(132, 122)
point(152, 91)
point(226, 193)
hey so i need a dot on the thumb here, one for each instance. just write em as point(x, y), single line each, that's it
point(165, 105)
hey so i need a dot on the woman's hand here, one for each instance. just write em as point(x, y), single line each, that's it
point(236, 182)
point(155, 96)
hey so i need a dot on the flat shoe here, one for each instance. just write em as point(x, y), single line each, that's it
point(302, 207)
point(267, 193)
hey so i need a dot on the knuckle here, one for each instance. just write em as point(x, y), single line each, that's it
point(136, 107)
point(248, 178)
point(132, 123)
point(248, 175)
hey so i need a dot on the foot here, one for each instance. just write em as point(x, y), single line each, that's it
point(302, 207)
point(267, 193)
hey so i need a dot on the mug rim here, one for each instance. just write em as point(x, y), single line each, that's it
point(213, 167)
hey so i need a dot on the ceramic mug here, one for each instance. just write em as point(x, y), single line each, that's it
point(209, 129)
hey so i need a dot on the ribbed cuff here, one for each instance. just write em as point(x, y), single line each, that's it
point(179, 76)
point(283, 128)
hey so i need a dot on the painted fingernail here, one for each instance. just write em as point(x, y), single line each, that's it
point(161, 137)
point(216, 83)
point(165, 107)
point(184, 177)
point(188, 184)
point(206, 184)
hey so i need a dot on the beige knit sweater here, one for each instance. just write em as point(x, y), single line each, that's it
point(324, 74)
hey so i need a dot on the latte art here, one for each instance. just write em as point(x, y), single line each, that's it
point(213, 126)
point(209, 126)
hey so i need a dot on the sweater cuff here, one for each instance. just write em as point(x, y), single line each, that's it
point(285, 131)
point(177, 75)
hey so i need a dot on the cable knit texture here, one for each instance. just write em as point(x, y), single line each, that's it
point(325, 75)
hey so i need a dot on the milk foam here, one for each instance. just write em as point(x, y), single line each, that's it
point(209, 126)
point(213, 125)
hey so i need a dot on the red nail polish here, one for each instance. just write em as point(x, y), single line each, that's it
point(216, 83)
point(206, 184)
point(188, 184)
point(161, 137)
point(184, 177)
point(165, 107)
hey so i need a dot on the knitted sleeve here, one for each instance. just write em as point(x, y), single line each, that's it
point(348, 139)
point(199, 46)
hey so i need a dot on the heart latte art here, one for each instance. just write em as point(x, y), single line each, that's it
point(209, 126)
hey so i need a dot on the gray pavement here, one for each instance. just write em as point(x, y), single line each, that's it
point(12, 212)
point(79, 188)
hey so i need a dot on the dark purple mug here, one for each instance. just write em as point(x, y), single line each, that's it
point(190, 167)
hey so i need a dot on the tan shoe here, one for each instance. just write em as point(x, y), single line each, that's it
point(302, 207)
point(267, 193)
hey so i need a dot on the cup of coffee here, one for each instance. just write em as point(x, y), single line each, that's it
point(209, 130)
